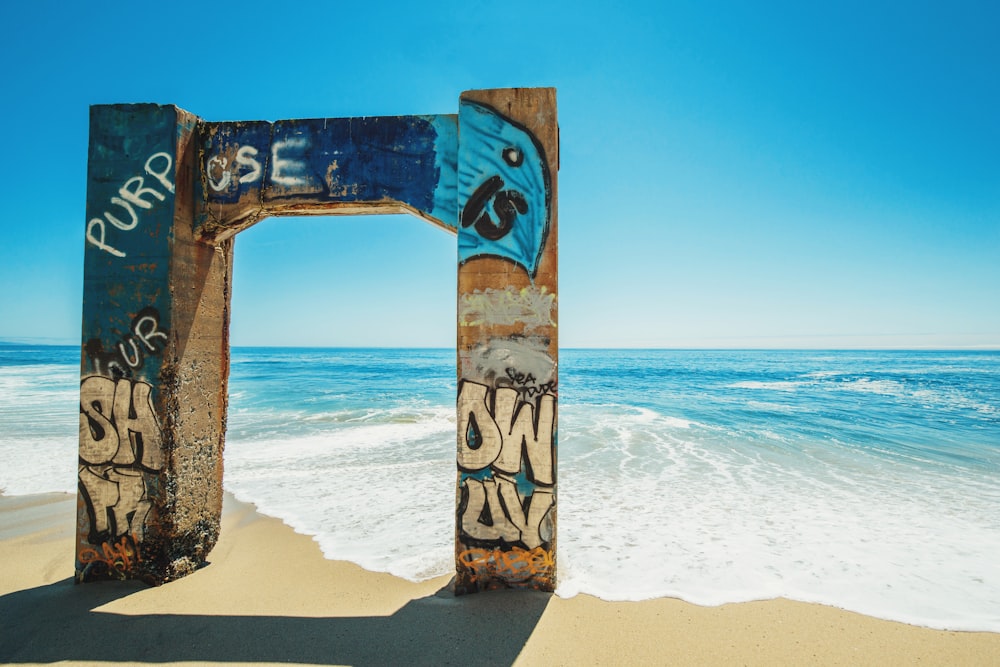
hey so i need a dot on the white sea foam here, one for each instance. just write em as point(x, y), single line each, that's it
point(783, 385)
point(869, 386)
point(811, 490)
point(770, 406)
point(877, 537)
point(377, 489)
point(653, 506)
point(38, 444)
point(948, 398)
point(822, 374)
point(38, 465)
point(643, 513)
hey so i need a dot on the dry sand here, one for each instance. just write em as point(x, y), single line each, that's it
point(268, 596)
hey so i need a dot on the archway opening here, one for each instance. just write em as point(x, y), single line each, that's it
point(342, 384)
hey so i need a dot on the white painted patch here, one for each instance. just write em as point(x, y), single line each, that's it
point(531, 306)
point(285, 170)
point(527, 356)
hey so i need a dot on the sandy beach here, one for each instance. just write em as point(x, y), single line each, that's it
point(268, 596)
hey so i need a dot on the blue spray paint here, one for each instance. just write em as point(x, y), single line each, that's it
point(406, 159)
point(503, 189)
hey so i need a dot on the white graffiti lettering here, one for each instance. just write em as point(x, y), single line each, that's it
point(99, 242)
point(288, 171)
point(161, 176)
point(147, 328)
point(135, 196)
point(145, 338)
point(218, 164)
point(132, 193)
point(125, 226)
point(219, 171)
point(247, 156)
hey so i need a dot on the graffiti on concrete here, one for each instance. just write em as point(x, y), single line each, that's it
point(494, 433)
point(219, 170)
point(136, 193)
point(145, 338)
point(528, 385)
point(117, 556)
point(167, 191)
point(120, 442)
point(408, 159)
point(513, 566)
point(506, 460)
point(503, 188)
point(527, 354)
point(496, 513)
point(531, 307)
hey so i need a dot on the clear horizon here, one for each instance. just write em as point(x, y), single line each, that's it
point(766, 177)
point(970, 348)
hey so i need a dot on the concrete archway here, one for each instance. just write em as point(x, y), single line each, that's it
point(167, 192)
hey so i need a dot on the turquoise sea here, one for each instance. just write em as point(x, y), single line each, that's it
point(867, 480)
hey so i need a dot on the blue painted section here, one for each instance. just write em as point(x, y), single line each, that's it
point(131, 173)
point(130, 213)
point(446, 164)
point(234, 156)
point(405, 159)
point(503, 189)
point(481, 475)
point(525, 486)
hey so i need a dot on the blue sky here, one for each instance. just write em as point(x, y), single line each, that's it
point(732, 174)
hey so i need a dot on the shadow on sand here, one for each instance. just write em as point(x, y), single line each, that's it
point(58, 622)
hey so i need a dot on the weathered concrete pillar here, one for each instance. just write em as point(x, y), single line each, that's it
point(155, 355)
point(166, 195)
point(508, 351)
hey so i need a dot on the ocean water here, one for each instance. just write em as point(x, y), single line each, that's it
point(864, 480)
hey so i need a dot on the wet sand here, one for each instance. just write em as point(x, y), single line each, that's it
point(268, 596)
